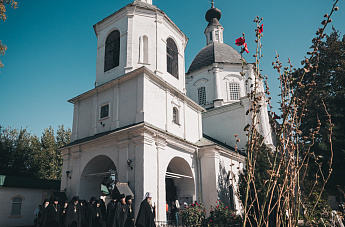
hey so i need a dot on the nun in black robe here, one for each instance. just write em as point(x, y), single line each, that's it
point(54, 213)
point(121, 211)
point(104, 212)
point(130, 215)
point(83, 211)
point(43, 214)
point(63, 214)
point(73, 213)
point(111, 210)
point(95, 215)
point(146, 215)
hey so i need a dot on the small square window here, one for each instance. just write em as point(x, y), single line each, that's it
point(104, 111)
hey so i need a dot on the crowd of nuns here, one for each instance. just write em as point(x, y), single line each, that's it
point(94, 213)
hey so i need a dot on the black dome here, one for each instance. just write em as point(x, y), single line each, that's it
point(215, 53)
point(213, 13)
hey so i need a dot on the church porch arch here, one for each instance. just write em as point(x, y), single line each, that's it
point(180, 183)
point(94, 174)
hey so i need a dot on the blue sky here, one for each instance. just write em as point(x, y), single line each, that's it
point(51, 53)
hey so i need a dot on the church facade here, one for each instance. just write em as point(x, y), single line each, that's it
point(157, 128)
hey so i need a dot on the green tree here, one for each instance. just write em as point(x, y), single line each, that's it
point(15, 150)
point(329, 89)
point(23, 154)
point(52, 164)
point(3, 17)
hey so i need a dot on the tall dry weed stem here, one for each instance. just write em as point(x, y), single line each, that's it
point(279, 199)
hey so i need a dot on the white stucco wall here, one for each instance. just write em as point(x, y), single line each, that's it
point(215, 164)
point(158, 108)
point(123, 99)
point(31, 199)
point(224, 122)
point(133, 98)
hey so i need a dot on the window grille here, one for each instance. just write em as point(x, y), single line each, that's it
point(210, 36)
point(104, 111)
point(112, 51)
point(16, 206)
point(172, 58)
point(234, 89)
point(175, 116)
point(202, 96)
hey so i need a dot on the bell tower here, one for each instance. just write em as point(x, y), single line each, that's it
point(214, 30)
point(140, 35)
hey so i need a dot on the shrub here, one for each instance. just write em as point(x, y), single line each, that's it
point(220, 215)
point(193, 215)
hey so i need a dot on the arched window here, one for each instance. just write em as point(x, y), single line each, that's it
point(175, 116)
point(16, 205)
point(172, 58)
point(143, 49)
point(112, 51)
point(202, 96)
point(234, 91)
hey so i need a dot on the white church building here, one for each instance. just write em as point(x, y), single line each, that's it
point(161, 130)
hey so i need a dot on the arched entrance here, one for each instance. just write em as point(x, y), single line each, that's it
point(97, 171)
point(179, 182)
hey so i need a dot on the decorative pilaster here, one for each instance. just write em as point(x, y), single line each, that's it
point(115, 116)
point(218, 101)
point(129, 43)
point(94, 114)
point(123, 169)
point(161, 193)
point(140, 99)
point(74, 136)
point(75, 170)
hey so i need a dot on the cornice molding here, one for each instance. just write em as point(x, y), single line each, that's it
point(142, 71)
point(225, 108)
